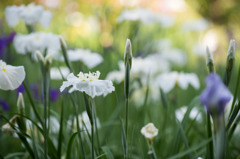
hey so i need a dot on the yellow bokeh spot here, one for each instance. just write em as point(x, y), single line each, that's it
point(4, 70)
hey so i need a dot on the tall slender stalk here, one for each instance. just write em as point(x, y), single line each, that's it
point(128, 65)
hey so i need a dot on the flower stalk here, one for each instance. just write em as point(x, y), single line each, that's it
point(128, 65)
point(45, 63)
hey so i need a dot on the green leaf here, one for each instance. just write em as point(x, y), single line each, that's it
point(60, 135)
point(107, 152)
point(70, 143)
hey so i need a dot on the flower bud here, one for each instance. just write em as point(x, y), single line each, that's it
point(210, 61)
point(39, 56)
point(128, 53)
point(20, 104)
point(230, 62)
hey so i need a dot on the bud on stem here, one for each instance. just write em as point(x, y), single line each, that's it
point(230, 62)
point(210, 61)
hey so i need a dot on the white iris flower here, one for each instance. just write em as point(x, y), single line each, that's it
point(30, 14)
point(90, 59)
point(167, 81)
point(88, 83)
point(37, 41)
point(11, 76)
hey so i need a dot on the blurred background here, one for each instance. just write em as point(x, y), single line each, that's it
point(153, 26)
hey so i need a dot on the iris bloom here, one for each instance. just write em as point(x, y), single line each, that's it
point(11, 76)
point(90, 59)
point(30, 43)
point(167, 81)
point(30, 14)
point(216, 96)
point(88, 83)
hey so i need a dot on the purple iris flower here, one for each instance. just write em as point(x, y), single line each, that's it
point(5, 41)
point(215, 96)
point(54, 94)
point(20, 89)
point(4, 105)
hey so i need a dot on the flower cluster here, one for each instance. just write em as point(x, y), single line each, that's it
point(30, 14)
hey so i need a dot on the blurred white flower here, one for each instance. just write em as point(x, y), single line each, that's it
point(149, 131)
point(11, 76)
point(146, 16)
point(88, 83)
point(12, 15)
point(83, 119)
point(197, 25)
point(54, 125)
point(141, 68)
point(37, 41)
point(195, 113)
point(56, 75)
point(167, 81)
point(90, 59)
point(30, 14)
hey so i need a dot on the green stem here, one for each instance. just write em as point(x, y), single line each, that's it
point(209, 134)
point(46, 76)
point(92, 131)
point(96, 126)
point(126, 126)
point(78, 129)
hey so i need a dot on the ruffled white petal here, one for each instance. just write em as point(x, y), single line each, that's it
point(12, 77)
point(71, 80)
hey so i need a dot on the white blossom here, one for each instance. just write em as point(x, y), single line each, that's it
point(90, 59)
point(167, 81)
point(84, 123)
point(30, 15)
point(11, 76)
point(56, 75)
point(146, 16)
point(88, 83)
point(194, 113)
point(37, 41)
point(149, 131)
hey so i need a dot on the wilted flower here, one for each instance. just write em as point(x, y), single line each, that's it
point(149, 131)
point(88, 83)
point(90, 59)
point(30, 14)
point(167, 81)
point(84, 123)
point(11, 76)
point(215, 96)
